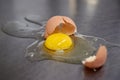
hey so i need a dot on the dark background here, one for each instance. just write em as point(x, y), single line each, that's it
point(93, 17)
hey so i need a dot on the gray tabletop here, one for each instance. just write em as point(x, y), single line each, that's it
point(93, 17)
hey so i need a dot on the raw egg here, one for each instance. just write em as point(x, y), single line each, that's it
point(60, 44)
point(72, 49)
point(61, 24)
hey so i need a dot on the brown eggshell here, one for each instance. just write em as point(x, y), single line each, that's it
point(54, 25)
point(100, 60)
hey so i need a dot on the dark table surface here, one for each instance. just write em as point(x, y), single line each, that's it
point(93, 17)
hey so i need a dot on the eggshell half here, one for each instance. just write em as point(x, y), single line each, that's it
point(98, 60)
point(60, 24)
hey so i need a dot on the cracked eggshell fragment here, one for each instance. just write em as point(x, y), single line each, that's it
point(61, 24)
point(97, 60)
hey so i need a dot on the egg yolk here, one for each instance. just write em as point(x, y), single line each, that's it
point(58, 41)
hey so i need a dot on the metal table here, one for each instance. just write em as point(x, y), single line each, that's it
point(93, 17)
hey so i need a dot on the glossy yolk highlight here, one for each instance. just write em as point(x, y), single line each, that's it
point(58, 41)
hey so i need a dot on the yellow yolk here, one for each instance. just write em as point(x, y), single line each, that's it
point(58, 41)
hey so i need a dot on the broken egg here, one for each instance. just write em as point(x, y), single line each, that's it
point(82, 50)
point(61, 24)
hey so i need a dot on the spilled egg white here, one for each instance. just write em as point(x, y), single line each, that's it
point(83, 49)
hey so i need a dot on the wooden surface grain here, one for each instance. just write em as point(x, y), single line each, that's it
point(93, 17)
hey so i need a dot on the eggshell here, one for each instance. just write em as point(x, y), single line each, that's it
point(60, 24)
point(99, 59)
